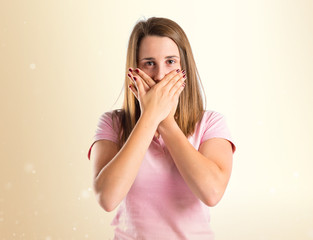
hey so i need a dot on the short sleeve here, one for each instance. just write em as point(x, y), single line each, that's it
point(104, 130)
point(215, 126)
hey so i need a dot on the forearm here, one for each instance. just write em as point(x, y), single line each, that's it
point(117, 177)
point(203, 176)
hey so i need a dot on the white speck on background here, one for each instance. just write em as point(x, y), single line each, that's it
point(25, 22)
point(1, 219)
point(74, 228)
point(86, 236)
point(272, 190)
point(32, 66)
point(48, 238)
point(36, 213)
point(29, 167)
point(8, 185)
point(85, 194)
point(296, 174)
point(17, 222)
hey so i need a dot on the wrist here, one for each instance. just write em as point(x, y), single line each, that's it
point(149, 120)
point(167, 124)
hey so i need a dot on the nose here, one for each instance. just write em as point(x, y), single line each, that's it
point(159, 73)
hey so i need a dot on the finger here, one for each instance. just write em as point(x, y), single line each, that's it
point(131, 77)
point(145, 85)
point(148, 80)
point(134, 90)
point(177, 85)
point(179, 90)
point(179, 78)
point(132, 73)
point(139, 85)
point(166, 79)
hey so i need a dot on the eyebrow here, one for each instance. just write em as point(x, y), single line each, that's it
point(151, 58)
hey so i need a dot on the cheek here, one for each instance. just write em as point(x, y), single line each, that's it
point(174, 67)
point(147, 71)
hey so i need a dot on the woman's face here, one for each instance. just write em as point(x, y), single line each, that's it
point(158, 56)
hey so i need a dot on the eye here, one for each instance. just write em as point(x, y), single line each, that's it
point(171, 61)
point(150, 63)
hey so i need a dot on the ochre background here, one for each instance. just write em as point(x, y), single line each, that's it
point(62, 65)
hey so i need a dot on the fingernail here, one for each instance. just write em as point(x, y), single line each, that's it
point(135, 78)
point(183, 72)
point(130, 86)
point(137, 70)
point(185, 76)
point(131, 70)
point(129, 75)
point(178, 70)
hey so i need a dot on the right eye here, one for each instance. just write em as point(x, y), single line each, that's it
point(150, 63)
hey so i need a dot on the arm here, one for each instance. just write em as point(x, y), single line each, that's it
point(115, 171)
point(206, 171)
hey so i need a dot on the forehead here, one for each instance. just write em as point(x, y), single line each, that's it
point(156, 46)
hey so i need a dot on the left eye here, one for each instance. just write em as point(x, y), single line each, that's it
point(171, 61)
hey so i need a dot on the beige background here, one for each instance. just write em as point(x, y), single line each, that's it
point(62, 66)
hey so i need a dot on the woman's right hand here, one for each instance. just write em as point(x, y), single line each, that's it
point(116, 168)
point(158, 99)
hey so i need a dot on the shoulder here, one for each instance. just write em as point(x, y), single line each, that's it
point(111, 117)
point(110, 123)
point(214, 125)
point(108, 128)
point(209, 121)
point(211, 116)
point(112, 113)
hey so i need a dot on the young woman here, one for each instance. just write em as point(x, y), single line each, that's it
point(162, 158)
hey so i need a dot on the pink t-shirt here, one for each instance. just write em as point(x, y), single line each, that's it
point(159, 204)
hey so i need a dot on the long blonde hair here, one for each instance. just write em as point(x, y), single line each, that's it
point(190, 106)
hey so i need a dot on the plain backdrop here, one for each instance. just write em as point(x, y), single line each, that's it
point(62, 64)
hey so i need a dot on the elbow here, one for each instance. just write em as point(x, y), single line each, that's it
point(210, 202)
point(212, 199)
point(106, 203)
point(108, 208)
